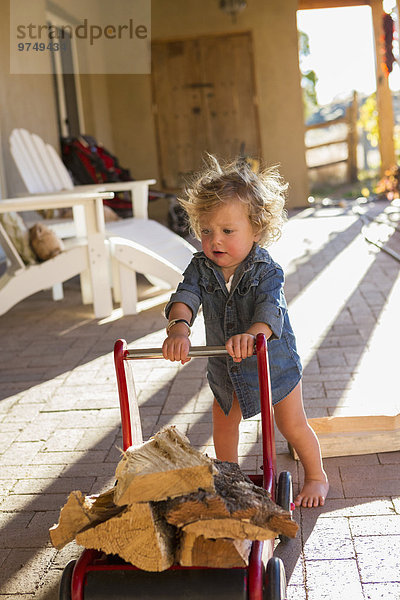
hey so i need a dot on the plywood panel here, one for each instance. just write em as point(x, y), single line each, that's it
point(353, 435)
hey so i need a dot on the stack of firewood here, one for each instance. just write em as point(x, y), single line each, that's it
point(173, 504)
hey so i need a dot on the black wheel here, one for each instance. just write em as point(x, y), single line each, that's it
point(65, 583)
point(275, 580)
point(284, 496)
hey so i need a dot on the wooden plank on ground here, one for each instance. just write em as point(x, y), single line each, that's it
point(353, 435)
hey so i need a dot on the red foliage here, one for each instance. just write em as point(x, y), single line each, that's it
point(389, 186)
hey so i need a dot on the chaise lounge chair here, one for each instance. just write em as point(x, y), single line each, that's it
point(87, 257)
point(136, 245)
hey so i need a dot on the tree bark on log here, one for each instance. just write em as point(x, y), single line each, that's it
point(139, 535)
point(237, 498)
point(164, 467)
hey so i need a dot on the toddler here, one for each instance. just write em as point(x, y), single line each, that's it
point(235, 213)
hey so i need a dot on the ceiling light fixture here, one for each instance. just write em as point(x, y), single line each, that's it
point(232, 7)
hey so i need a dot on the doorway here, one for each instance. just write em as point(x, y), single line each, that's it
point(204, 101)
point(66, 80)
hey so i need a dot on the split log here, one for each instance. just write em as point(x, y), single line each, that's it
point(204, 552)
point(165, 466)
point(236, 499)
point(138, 534)
point(228, 528)
point(172, 503)
point(81, 511)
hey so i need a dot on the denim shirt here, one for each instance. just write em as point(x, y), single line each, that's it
point(256, 295)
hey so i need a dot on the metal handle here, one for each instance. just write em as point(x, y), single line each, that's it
point(121, 353)
point(195, 351)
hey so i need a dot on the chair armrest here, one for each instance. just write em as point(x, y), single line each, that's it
point(56, 200)
point(139, 191)
point(92, 200)
point(10, 251)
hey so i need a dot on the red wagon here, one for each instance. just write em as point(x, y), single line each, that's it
point(98, 576)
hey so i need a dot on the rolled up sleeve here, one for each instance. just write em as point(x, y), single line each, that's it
point(188, 292)
point(270, 307)
point(188, 298)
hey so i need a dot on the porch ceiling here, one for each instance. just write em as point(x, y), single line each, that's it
point(308, 4)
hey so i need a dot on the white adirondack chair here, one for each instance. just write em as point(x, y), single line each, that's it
point(87, 256)
point(137, 244)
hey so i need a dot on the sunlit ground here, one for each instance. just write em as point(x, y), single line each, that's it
point(335, 281)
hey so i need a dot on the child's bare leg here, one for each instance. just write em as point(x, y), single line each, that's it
point(226, 431)
point(292, 423)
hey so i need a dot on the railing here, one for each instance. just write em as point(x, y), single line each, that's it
point(351, 140)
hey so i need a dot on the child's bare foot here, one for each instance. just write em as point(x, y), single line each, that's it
point(313, 493)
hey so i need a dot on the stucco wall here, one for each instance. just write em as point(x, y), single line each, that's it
point(29, 101)
point(25, 101)
point(274, 31)
point(118, 108)
point(97, 119)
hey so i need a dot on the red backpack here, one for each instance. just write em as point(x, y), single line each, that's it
point(89, 162)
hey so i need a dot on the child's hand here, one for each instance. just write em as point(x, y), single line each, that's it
point(176, 347)
point(240, 346)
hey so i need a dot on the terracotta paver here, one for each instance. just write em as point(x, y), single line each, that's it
point(60, 422)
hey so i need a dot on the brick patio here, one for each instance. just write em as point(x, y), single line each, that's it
point(60, 423)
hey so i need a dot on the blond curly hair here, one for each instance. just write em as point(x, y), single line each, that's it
point(263, 193)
